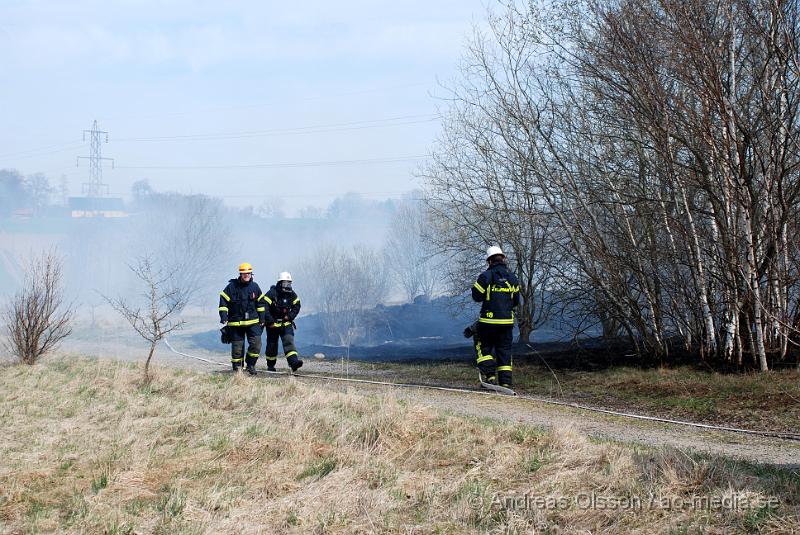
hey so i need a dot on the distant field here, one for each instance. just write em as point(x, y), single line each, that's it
point(86, 448)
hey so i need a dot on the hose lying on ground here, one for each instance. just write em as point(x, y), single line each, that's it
point(772, 434)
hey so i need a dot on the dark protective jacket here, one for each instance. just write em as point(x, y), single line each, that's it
point(239, 304)
point(282, 306)
point(497, 289)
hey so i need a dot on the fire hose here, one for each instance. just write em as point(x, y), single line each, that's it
point(772, 434)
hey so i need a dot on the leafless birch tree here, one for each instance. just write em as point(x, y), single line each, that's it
point(661, 137)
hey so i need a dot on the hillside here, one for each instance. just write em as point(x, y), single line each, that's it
point(89, 449)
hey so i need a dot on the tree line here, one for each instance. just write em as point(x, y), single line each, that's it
point(639, 161)
point(32, 192)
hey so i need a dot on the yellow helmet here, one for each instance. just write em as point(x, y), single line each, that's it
point(245, 268)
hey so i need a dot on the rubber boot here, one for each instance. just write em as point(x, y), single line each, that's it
point(250, 361)
point(295, 364)
point(237, 366)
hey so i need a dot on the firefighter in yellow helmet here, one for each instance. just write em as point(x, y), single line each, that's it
point(243, 317)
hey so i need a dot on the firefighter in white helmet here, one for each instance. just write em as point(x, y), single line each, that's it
point(497, 289)
point(282, 307)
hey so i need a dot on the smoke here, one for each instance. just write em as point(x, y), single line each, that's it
point(197, 238)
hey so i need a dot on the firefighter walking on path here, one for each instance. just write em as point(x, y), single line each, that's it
point(243, 316)
point(497, 289)
point(283, 305)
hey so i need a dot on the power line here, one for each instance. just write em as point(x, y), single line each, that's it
point(33, 153)
point(402, 120)
point(331, 163)
point(314, 129)
point(386, 194)
point(281, 102)
point(371, 195)
point(234, 108)
point(367, 194)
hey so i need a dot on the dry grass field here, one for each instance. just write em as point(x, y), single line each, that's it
point(87, 448)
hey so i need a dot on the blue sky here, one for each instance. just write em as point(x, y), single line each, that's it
point(189, 90)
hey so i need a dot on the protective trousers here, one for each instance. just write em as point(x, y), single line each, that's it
point(286, 336)
point(238, 335)
point(493, 350)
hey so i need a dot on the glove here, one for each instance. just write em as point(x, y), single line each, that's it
point(468, 332)
point(225, 336)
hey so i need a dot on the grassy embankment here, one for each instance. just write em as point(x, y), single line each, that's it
point(769, 401)
point(86, 447)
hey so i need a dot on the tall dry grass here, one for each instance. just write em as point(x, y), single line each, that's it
point(85, 448)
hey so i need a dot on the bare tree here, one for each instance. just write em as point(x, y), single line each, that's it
point(188, 237)
point(39, 191)
point(342, 286)
point(408, 256)
point(153, 321)
point(697, 106)
point(482, 181)
point(661, 138)
point(36, 318)
point(272, 208)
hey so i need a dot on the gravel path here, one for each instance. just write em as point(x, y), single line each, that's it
point(777, 452)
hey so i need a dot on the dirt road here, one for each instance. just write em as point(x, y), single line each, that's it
point(778, 452)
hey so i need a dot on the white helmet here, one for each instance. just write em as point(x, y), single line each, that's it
point(493, 250)
point(285, 276)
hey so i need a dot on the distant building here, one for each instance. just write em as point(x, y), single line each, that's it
point(96, 207)
point(22, 213)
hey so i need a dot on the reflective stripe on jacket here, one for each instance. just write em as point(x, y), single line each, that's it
point(239, 305)
point(282, 306)
point(497, 289)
